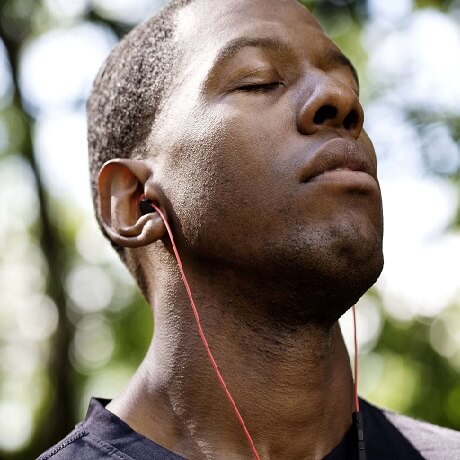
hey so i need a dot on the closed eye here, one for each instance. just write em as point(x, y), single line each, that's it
point(260, 87)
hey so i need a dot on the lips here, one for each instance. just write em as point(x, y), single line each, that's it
point(338, 154)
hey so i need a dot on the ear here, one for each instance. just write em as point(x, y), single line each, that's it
point(120, 183)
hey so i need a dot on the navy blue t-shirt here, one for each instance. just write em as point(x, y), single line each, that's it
point(388, 436)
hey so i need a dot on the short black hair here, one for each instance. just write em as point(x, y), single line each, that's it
point(129, 91)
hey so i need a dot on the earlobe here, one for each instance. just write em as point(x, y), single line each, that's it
point(121, 182)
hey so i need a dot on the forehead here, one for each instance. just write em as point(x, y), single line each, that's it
point(225, 16)
point(206, 26)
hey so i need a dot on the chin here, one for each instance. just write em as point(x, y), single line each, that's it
point(348, 283)
point(353, 257)
point(334, 276)
point(322, 293)
point(360, 279)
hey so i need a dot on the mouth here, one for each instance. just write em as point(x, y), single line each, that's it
point(339, 160)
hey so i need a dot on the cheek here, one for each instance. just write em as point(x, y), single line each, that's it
point(220, 175)
point(250, 159)
point(251, 148)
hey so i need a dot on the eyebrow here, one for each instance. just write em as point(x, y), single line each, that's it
point(232, 47)
point(334, 57)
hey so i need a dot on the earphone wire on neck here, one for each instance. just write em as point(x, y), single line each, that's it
point(204, 340)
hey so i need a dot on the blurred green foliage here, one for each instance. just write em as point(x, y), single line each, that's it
point(402, 370)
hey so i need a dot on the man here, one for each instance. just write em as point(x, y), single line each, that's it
point(240, 121)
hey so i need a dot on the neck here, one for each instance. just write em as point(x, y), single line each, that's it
point(290, 381)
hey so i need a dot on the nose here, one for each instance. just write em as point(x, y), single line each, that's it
point(331, 105)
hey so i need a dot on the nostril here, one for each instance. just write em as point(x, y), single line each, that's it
point(351, 120)
point(325, 112)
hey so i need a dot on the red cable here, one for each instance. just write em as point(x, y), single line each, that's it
point(356, 360)
point(203, 338)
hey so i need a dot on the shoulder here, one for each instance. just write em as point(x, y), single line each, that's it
point(407, 438)
point(433, 442)
point(81, 445)
point(103, 436)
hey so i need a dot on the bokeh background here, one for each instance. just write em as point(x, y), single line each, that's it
point(73, 325)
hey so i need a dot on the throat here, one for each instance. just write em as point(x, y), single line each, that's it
point(294, 386)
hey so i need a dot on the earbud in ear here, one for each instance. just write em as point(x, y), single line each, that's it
point(145, 205)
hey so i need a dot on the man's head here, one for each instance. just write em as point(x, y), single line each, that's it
point(258, 110)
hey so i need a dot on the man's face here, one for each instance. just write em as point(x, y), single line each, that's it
point(261, 152)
